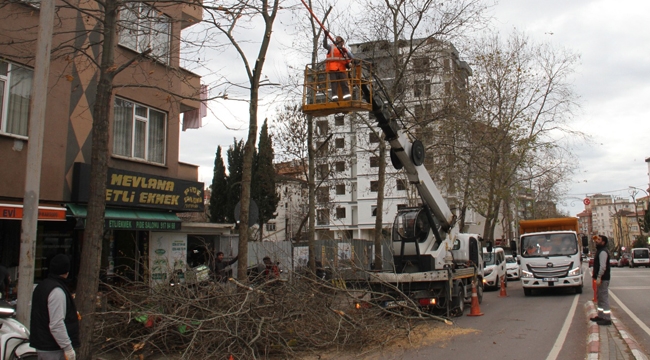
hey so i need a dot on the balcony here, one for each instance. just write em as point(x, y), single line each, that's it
point(192, 13)
point(190, 90)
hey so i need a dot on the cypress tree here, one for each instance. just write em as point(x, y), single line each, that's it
point(219, 188)
point(265, 193)
point(235, 155)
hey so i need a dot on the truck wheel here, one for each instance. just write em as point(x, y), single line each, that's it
point(579, 289)
point(459, 303)
point(528, 291)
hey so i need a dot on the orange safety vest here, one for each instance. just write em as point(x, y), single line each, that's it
point(335, 60)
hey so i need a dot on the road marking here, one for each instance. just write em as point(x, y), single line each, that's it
point(555, 351)
point(630, 288)
point(630, 313)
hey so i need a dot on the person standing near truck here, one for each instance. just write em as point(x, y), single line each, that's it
point(602, 277)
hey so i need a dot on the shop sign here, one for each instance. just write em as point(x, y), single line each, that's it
point(147, 225)
point(15, 212)
point(129, 189)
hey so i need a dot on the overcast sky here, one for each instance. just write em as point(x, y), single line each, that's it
point(612, 81)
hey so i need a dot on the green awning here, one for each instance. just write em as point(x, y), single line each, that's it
point(131, 219)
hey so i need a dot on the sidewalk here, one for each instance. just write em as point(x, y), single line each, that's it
point(610, 342)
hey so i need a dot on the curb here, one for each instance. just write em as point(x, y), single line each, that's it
point(593, 342)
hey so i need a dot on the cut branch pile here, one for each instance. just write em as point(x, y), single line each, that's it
point(268, 319)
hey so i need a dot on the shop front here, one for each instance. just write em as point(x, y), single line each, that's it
point(143, 238)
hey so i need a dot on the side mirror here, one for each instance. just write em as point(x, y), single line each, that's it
point(489, 246)
point(456, 245)
point(513, 246)
point(585, 241)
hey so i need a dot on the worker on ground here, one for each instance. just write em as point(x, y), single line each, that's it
point(336, 65)
point(220, 271)
point(602, 276)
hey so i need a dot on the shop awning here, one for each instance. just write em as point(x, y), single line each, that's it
point(45, 213)
point(131, 219)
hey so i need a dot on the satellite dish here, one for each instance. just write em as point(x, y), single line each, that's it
point(253, 212)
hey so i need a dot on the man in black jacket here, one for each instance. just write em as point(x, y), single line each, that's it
point(54, 330)
point(602, 275)
point(220, 267)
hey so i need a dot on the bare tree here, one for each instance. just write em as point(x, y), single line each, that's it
point(229, 18)
point(522, 104)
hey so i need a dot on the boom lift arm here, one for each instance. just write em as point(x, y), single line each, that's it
point(407, 154)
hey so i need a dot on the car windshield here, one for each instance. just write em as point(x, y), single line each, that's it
point(511, 260)
point(545, 245)
point(489, 258)
point(641, 254)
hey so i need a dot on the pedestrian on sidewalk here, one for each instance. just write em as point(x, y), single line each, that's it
point(602, 276)
point(54, 329)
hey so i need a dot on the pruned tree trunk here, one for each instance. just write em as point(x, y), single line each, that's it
point(88, 278)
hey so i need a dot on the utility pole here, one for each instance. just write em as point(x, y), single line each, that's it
point(34, 160)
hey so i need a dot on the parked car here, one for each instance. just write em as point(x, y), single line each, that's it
point(495, 268)
point(512, 268)
point(613, 262)
point(591, 262)
point(640, 257)
point(624, 260)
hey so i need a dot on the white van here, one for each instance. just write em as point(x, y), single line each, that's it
point(495, 267)
point(640, 257)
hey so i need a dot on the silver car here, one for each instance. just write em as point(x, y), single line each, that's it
point(512, 268)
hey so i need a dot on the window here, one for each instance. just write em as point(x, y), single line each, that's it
point(322, 127)
point(322, 195)
point(340, 143)
point(340, 166)
point(401, 184)
point(401, 206)
point(321, 148)
point(421, 65)
point(340, 213)
point(142, 27)
point(422, 88)
point(339, 120)
point(15, 93)
point(322, 171)
point(270, 226)
point(139, 132)
point(340, 189)
point(374, 161)
point(374, 138)
point(323, 217)
point(446, 65)
point(374, 186)
point(373, 210)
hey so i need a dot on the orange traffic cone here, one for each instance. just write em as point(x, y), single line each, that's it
point(503, 288)
point(595, 287)
point(475, 310)
point(231, 357)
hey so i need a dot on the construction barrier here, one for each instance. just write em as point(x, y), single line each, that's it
point(503, 288)
point(475, 309)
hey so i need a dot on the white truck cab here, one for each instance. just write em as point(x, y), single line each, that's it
point(495, 267)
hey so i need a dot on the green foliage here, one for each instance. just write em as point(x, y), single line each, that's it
point(640, 242)
point(235, 156)
point(219, 187)
point(226, 188)
point(263, 189)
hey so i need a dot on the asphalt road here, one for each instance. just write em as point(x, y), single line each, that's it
point(549, 325)
point(630, 301)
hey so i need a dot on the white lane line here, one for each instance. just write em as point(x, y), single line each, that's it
point(630, 313)
point(559, 342)
point(630, 288)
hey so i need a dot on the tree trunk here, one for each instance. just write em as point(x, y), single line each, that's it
point(247, 173)
point(379, 219)
point(311, 233)
point(88, 279)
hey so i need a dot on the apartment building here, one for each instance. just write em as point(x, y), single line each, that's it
point(348, 158)
point(146, 184)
